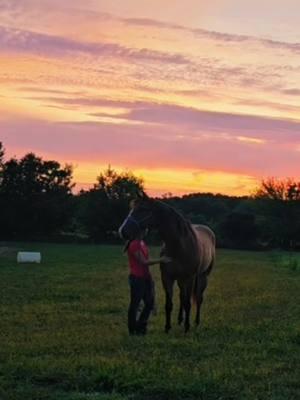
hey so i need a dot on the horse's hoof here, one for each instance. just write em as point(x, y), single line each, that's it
point(180, 321)
point(167, 329)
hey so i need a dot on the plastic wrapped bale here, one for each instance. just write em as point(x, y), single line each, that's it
point(29, 257)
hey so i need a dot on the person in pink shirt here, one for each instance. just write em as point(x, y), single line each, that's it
point(141, 284)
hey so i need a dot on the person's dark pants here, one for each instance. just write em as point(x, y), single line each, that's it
point(141, 289)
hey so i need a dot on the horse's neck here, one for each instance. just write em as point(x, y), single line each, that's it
point(174, 241)
point(170, 239)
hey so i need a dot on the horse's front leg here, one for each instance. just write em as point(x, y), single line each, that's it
point(168, 287)
point(181, 303)
point(169, 308)
point(180, 313)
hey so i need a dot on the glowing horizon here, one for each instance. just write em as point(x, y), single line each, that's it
point(198, 98)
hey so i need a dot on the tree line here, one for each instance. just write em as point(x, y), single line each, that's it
point(37, 203)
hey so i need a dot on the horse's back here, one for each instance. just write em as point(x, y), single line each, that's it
point(206, 233)
point(207, 246)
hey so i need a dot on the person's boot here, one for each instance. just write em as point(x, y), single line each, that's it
point(141, 328)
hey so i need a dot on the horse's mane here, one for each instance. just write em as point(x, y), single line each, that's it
point(178, 234)
point(180, 223)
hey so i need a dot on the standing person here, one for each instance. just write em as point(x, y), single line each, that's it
point(141, 284)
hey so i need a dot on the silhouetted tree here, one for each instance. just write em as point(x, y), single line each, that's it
point(104, 207)
point(278, 203)
point(239, 229)
point(2, 151)
point(279, 189)
point(35, 197)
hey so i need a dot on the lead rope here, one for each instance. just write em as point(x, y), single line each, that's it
point(127, 244)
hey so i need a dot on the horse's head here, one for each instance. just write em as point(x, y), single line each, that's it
point(139, 218)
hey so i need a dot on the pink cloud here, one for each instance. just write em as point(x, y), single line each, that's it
point(214, 35)
point(151, 147)
point(292, 92)
point(273, 129)
point(15, 40)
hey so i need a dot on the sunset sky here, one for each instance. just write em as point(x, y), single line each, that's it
point(194, 95)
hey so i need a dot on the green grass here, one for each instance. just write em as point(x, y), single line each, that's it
point(63, 331)
point(289, 260)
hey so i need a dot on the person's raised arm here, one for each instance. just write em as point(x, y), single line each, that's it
point(142, 260)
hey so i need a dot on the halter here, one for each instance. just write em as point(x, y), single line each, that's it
point(136, 222)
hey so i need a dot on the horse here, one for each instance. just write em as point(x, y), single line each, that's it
point(190, 247)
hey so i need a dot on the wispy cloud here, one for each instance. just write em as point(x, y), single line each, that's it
point(195, 120)
point(292, 92)
point(92, 102)
point(49, 91)
point(70, 9)
point(270, 104)
point(222, 37)
point(50, 45)
point(251, 140)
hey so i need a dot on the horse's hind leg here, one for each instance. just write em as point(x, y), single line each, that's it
point(186, 294)
point(201, 283)
point(199, 288)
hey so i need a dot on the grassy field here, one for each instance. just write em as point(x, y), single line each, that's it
point(63, 331)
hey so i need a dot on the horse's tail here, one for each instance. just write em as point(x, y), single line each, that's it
point(210, 267)
point(200, 282)
point(195, 289)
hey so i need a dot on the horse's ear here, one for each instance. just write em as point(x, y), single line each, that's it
point(139, 194)
point(142, 195)
point(132, 204)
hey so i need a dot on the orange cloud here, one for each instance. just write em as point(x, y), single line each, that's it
point(251, 140)
point(159, 181)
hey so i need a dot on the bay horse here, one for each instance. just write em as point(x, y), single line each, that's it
point(190, 247)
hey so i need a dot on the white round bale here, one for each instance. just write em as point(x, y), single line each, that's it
point(29, 257)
